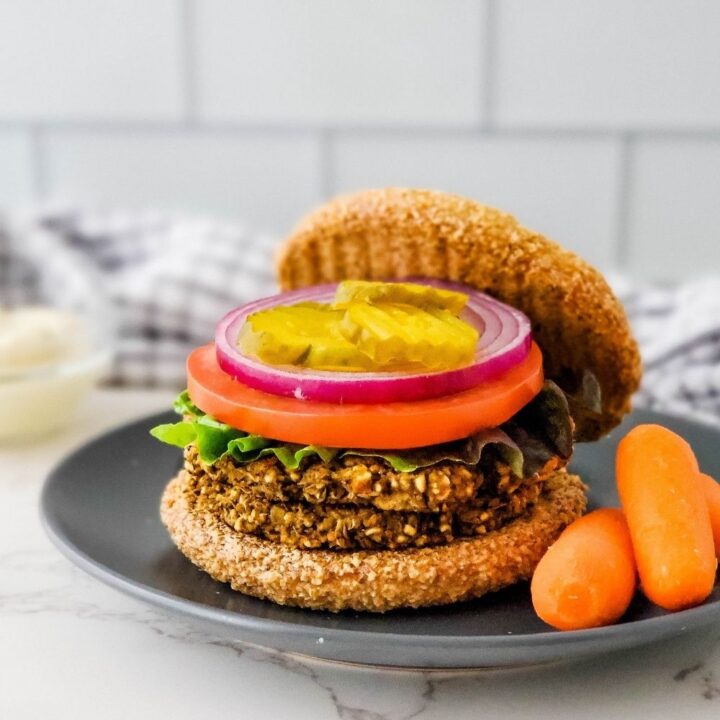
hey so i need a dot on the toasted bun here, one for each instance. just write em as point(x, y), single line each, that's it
point(374, 580)
point(396, 233)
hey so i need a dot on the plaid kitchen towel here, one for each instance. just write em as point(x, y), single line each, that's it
point(160, 282)
point(678, 329)
point(163, 282)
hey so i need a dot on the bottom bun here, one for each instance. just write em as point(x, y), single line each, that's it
point(371, 580)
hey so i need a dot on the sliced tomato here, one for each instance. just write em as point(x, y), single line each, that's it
point(390, 426)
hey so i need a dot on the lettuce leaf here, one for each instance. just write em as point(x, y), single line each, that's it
point(584, 397)
point(541, 430)
point(183, 405)
point(467, 451)
point(214, 440)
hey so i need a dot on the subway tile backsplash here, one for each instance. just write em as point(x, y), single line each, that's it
point(340, 62)
point(564, 187)
point(16, 168)
point(597, 122)
point(268, 179)
point(608, 63)
point(89, 60)
point(675, 225)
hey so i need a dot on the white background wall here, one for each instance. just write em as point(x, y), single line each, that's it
point(595, 121)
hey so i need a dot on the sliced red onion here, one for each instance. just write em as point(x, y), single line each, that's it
point(505, 340)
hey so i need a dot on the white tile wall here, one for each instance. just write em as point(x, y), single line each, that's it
point(16, 158)
point(82, 59)
point(676, 226)
point(596, 122)
point(340, 61)
point(267, 180)
point(603, 63)
point(565, 187)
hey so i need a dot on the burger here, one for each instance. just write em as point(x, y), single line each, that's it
point(393, 428)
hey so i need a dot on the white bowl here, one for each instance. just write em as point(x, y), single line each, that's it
point(38, 401)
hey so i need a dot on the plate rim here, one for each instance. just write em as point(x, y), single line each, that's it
point(671, 624)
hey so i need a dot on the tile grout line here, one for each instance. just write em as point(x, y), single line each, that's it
point(39, 165)
point(464, 131)
point(624, 193)
point(487, 100)
point(188, 60)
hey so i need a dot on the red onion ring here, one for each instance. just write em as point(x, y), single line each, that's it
point(505, 340)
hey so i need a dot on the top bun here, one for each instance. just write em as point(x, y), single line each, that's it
point(398, 233)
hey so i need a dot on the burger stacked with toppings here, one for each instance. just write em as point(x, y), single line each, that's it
point(394, 429)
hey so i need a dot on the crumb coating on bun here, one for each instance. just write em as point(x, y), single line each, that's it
point(370, 580)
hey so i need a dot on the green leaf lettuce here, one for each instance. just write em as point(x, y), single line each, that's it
point(541, 430)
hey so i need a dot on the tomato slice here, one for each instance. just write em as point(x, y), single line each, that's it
point(390, 426)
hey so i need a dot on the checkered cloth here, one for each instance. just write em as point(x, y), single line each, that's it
point(163, 282)
point(160, 283)
point(678, 329)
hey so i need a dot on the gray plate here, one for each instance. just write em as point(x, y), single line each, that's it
point(100, 507)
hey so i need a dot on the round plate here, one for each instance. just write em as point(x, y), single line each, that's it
point(100, 507)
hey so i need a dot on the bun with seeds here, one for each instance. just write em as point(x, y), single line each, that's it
point(370, 580)
point(293, 493)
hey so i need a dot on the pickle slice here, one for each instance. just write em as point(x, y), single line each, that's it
point(372, 326)
point(421, 296)
point(305, 335)
point(400, 334)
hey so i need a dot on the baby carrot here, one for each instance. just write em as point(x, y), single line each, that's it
point(712, 497)
point(660, 491)
point(587, 577)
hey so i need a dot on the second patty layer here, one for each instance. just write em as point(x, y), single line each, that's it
point(248, 507)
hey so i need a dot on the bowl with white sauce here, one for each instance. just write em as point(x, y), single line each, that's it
point(50, 359)
point(57, 329)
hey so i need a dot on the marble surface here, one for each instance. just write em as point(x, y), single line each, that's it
point(72, 648)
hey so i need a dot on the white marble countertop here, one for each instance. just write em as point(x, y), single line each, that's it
point(73, 648)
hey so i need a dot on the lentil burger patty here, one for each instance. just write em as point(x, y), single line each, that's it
point(253, 499)
point(363, 481)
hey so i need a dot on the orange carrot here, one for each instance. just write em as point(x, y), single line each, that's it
point(660, 491)
point(712, 497)
point(587, 577)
